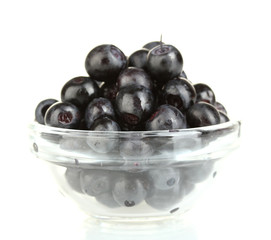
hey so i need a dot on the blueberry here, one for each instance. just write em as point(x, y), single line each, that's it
point(105, 62)
point(183, 75)
point(223, 117)
point(129, 190)
point(165, 199)
point(179, 93)
point(166, 117)
point(72, 176)
point(220, 107)
point(42, 108)
point(79, 91)
point(134, 75)
point(109, 90)
point(97, 108)
point(138, 59)
point(165, 178)
point(202, 114)
point(153, 44)
point(107, 200)
point(135, 148)
point(204, 93)
point(95, 182)
point(63, 115)
point(100, 143)
point(164, 63)
point(198, 172)
point(134, 104)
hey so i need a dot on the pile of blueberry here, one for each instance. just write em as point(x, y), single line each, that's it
point(162, 189)
point(146, 91)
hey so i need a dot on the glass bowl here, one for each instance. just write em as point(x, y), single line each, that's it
point(135, 175)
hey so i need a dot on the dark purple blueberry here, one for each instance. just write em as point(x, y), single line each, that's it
point(127, 127)
point(202, 114)
point(179, 93)
point(129, 191)
point(105, 62)
point(134, 104)
point(183, 75)
point(166, 117)
point(42, 108)
point(63, 115)
point(79, 91)
point(198, 172)
point(223, 117)
point(164, 63)
point(220, 107)
point(204, 93)
point(109, 91)
point(134, 75)
point(153, 44)
point(165, 178)
point(101, 143)
point(95, 182)
point(97, 108)
point(165, 199)
point(72, 176)
point(138, 59)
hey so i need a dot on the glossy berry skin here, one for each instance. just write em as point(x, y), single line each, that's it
point(166, 117)
point(109, 90)
point(138, 59)
point(103, 145)
point(164, 63)
point(134, 75)
point(183, 75)
point(204, 93)
point(42, 108)
point(97, 108)
point(179, 93)
point(220, 107)
point(202, 114)
point(223, 117)
point(153, 44)
point(105, 62)
point(129, 191)
point(63, 115)
point(134, 104)
point(79, 91)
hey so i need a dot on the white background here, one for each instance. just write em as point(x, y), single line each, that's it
point(225, 44)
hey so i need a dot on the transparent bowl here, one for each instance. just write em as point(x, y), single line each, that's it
point(136, 175)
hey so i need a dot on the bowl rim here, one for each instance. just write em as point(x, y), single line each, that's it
point(35, 126)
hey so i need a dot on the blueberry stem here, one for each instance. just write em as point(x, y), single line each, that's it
point(161, 45)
